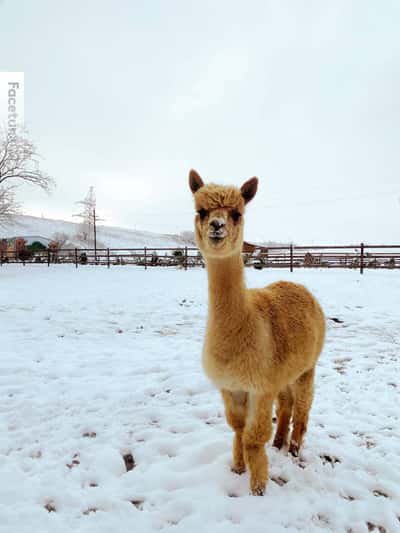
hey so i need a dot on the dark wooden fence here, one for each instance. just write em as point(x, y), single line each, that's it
point(358, 256)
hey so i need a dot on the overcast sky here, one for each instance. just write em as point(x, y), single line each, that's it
point(128, 95)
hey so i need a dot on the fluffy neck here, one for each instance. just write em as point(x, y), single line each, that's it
point(226, 291)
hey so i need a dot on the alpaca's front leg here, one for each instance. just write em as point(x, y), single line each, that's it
point(256, 433)
point(235, 413)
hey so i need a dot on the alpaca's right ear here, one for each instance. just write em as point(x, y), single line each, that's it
point(195, 182)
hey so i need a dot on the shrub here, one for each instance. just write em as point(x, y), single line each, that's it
point(36, 246)
point(178, 254)
point(83, 259)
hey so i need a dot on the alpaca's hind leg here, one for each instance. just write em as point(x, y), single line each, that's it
point(283, 415)
point(235, 412)
point(303, 390)
point(257, 432)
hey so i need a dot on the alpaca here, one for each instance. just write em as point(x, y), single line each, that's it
point(261, 345)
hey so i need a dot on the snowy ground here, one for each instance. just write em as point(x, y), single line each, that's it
point(98, 364)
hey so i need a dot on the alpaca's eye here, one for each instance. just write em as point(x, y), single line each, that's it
point(235, 216)
point(202, 213)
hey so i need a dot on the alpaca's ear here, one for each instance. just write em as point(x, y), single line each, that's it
point(249, 189)
point(195, 182)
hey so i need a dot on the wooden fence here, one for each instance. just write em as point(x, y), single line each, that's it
point(360, 256)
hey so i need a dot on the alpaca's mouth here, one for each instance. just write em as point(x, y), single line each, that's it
point(216, 236)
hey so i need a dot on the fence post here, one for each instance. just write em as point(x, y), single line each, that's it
point(145, 258)
point(186, 258)
point(108, 257)
point(48, 257)
point(76, 258)
point(291, 258)
point(362, 258)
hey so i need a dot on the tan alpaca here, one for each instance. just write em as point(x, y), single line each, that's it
point(261, 345)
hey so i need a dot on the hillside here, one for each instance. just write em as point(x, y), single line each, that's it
point(108, 236)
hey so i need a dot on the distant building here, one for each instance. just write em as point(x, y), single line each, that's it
point(13, 243)
point(12, 247)
point(248, 247)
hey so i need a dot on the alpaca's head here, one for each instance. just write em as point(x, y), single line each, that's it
point(219, 218)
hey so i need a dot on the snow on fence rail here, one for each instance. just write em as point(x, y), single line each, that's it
point(358, 256)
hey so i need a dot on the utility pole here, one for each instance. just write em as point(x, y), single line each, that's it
point(95, 234)
point(95, 220)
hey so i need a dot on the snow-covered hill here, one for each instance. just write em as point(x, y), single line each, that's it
point(109, 236)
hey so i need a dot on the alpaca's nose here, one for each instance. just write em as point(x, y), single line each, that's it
point(217, 223)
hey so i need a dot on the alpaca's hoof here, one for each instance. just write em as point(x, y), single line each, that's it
point(258, 489)
point(294, 449)
point(278, 443)
point(238, 469)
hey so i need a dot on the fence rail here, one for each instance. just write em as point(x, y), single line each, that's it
point(358, 256)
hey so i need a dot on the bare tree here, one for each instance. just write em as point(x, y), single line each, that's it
point(61, 239)
point(87, 216)
point(19, 163)
point(8, 205)
point(188, 237)
point(89, 221)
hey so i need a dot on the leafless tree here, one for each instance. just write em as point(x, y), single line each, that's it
point(85, 232)
point(188, 237)
point(19, 163)
point(8, 205)
point(89, 221)
point(61, 239)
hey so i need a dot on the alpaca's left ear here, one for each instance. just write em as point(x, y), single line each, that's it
point(249, 189)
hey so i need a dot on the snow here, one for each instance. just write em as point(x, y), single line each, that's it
point(97, 364)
